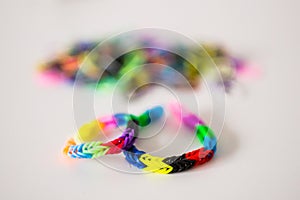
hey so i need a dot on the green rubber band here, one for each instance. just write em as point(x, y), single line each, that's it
point(203, 131)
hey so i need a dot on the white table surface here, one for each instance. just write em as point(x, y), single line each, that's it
point(258, 154)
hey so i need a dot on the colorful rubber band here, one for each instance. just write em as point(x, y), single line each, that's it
point(186, 161)
point(88, 132)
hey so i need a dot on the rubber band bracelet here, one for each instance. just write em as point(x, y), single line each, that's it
point(88, 132)
point(174, 164)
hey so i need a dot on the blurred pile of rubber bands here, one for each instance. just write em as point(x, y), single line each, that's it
point(144, 60)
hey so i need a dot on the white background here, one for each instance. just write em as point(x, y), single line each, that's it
point(258, 155)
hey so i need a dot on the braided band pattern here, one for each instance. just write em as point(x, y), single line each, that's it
point(174, 164)
point(88, 132)
point(96, 149)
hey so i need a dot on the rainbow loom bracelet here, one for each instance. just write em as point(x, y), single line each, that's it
point(174, 164)
point(88, 132)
